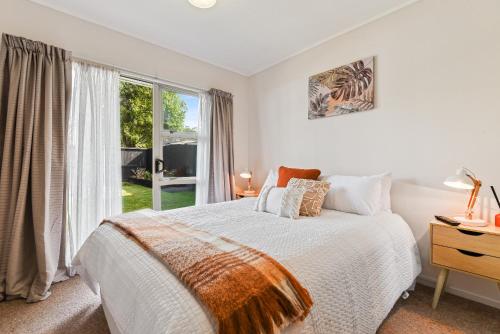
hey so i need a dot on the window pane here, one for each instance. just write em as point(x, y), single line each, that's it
point(136, 123)
point(180, 112)
point(179, 154)
point(177, 196)
point(179, 140)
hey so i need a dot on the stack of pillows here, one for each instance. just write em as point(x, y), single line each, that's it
point(293, 192)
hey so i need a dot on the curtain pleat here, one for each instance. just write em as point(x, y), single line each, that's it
point(35, 91)
point(203, 149)
point(221, 174)
point(94, 155)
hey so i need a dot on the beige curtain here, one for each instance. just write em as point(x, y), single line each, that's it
point(35, 88)
point(221, 171)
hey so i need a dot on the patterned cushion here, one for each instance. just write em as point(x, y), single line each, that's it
point(291, 202)
point(314, 195)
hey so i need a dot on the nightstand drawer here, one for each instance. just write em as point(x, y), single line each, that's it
point(474, 263)
point(478, 242)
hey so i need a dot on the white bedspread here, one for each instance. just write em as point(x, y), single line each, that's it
point(355, 268)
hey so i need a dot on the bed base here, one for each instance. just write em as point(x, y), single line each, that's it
point(113, 328)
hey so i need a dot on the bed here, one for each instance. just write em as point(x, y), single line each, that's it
point(355, 268)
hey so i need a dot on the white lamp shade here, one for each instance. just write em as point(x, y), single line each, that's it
point(246, 174)
point(460, 180)
point(203, 3)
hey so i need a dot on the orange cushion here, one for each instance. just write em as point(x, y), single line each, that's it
point(285, 174)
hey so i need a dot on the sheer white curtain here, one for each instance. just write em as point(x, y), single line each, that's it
point(203, 149)
point(94, 156)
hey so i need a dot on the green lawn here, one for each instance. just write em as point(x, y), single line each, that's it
point(137, 197)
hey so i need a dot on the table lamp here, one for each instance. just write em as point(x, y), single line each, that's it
point(246, 174)
point(465, 179)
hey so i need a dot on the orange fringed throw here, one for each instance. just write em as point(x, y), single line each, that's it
point(244, 290)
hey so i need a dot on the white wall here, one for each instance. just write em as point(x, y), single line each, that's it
point(93, 42)
point(437, 108)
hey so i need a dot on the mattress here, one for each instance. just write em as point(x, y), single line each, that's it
point(355, 268)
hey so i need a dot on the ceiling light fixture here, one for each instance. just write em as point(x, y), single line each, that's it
point(203, 3)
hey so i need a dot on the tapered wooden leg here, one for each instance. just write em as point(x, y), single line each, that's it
point(445, 282)
point(440, 285)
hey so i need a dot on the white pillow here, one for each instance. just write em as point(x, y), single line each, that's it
point(273, 202)
point(272, 178)
point(355, 194)
point(385, 195)
point(270, 199)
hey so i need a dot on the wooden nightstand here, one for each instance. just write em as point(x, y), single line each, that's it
point(471, 250)
point(241, 194)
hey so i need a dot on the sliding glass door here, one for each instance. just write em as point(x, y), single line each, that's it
point(159, 129)
point(175, 149)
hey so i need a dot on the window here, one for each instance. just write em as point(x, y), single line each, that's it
point(179, 139)
point(158, 122)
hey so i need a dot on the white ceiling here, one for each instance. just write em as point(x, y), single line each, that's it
point(245, 36)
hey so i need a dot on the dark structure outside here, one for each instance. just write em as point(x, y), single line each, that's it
point(179, 160)
point(133, 158)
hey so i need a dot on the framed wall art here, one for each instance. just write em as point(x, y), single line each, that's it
point(343, 90)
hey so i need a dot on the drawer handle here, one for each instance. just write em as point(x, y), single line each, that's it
point(476, 234)
point(469, 253)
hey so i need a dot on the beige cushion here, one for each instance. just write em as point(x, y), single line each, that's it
point(291, 202)
point(314, 195)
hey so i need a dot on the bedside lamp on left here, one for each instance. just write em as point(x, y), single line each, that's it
point(246, 174)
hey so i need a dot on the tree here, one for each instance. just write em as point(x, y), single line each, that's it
point(174, 111)
point(136, 114)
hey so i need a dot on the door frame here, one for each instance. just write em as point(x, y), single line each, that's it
point(159, 180)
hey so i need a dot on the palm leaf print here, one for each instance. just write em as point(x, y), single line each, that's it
point(319, 105)
point(361, 105)
point(314, 86)
point(351, 81)
point(327, 78)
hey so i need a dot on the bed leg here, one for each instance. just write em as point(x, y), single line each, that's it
point(405, 295)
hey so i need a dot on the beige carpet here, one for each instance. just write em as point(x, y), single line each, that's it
point(73, 308)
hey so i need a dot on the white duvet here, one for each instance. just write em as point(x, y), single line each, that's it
point(355, 268)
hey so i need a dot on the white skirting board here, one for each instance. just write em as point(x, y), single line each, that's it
point(431, 282)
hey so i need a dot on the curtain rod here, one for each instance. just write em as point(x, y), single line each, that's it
point(143, 77)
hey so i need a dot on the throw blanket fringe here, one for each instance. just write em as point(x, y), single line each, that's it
point(243, 289)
